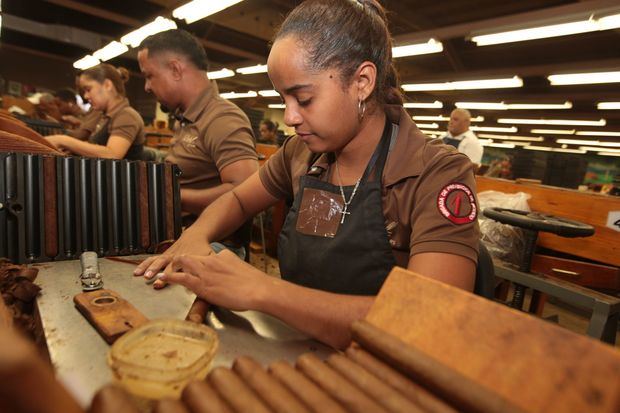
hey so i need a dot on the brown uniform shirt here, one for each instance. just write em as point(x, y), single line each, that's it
point(212, 134)
point(122, 120)
point(429, 200)
point(90, 120)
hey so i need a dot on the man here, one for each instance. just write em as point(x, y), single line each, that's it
point(462, 138)
point(213, 144)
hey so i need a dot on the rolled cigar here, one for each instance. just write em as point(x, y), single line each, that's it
point(316, 399)
point(460, 391)
point(335, 385)
point(236, 392)
point(200, 397)
point(112, 399)
point(198, 311)
point(413, 391)
point(382, 393)
point(169, 406)
point(273, 393)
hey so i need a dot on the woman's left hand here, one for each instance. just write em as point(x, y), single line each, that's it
point(59, 142)
point(221, 279)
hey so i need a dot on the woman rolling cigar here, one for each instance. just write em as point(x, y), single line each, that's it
point(120, 131)
point(368, 190)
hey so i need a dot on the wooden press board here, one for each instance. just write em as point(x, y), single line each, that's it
point(109, 313)
point(538, 366)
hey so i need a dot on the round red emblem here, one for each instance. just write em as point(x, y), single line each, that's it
point(457, 203)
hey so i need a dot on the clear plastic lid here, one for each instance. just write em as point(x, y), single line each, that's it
point(157, 359)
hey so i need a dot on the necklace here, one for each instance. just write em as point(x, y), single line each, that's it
point(344, 211)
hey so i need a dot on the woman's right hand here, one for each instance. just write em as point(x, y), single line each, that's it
point(190, 243)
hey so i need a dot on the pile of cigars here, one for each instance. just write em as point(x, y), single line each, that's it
point(377, 373)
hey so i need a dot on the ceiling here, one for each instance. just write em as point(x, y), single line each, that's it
point(239, 36)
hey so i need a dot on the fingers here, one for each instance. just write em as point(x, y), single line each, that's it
point(183, 278)
point(152, 265)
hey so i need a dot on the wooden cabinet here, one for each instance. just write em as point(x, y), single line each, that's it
point(579, 272)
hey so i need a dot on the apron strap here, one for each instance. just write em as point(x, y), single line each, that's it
point(380, 153)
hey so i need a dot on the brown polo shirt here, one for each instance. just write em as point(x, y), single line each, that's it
point(429, 200)
point(124, 121)
point(89, 123)
point(212, 134)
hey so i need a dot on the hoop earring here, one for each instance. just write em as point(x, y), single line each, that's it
point(361, 109)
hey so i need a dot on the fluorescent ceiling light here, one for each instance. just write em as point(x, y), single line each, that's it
point(600, 122)
point(608, 154)
point(538, 148)
point(568, 150)
point(268, 93)
point(441, 118)
point(199, 9)
point(277, 106)
point(544, 106)
point(608, 105)
point(588, 142)
point(421, 105)
point(597, 133)
point(427, 125)
point(466, 85)
point(219, 74)
point(541, 32)
point(553, 131)
point(598, 149)
point(512, 129)
point(252, 69)
point(0, 23)
point(236, 95)
point(481, 105)
point(584, 78)
point(511, 106)
point(518, 143)
point(110, 51)
point(514, 138)
point(609, 22)
point(431, 46)
point(500, 145)
point(555, 30)
point(86, 62)
point(160, 24)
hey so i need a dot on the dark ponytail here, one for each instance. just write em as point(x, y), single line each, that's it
point(342, 34)
point(101, 72)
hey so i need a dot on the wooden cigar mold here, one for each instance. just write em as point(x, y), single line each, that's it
point(55, 207)
point(110, 314)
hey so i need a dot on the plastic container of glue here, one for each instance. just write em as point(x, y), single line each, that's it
point(158, 359)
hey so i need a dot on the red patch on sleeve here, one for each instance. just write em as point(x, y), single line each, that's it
point(456, 202)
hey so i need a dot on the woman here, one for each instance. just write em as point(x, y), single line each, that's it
point(120, 131)
point(268, 131)
point(369, 191)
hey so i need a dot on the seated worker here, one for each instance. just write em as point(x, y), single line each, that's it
point(369, 191)
point(213, 142)
point(46, 107)
point(70, 112)
point(268, 132)
point(120, 131)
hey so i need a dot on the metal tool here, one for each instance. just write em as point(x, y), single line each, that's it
point(91, 277)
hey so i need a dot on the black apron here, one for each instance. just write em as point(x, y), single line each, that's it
point(359, 257)
point(101, 136)
point(452, 142)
